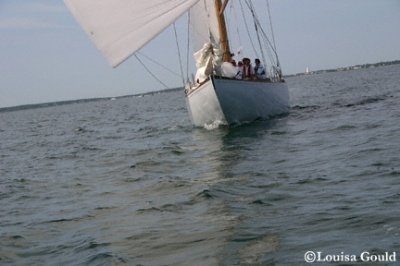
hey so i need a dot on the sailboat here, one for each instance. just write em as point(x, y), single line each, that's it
point(120, 28)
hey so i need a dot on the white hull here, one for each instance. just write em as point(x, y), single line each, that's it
point(203, 105)
point(231, 101)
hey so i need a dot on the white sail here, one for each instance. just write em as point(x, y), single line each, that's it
point(121, 27)
point(204, 24)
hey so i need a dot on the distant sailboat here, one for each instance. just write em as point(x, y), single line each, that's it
point(119, 28)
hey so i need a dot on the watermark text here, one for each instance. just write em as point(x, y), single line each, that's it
point(365, 256)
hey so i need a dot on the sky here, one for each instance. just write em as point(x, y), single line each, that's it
point(45, 56)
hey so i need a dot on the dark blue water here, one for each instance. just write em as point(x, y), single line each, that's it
point(131, 182)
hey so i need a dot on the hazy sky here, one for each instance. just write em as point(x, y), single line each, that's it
point(46, 56)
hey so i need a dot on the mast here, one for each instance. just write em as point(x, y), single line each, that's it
point(219, 8)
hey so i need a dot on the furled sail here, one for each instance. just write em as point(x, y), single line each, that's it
point(205, 38)
point(121, 27)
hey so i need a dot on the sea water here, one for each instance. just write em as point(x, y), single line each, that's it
point(131, 182)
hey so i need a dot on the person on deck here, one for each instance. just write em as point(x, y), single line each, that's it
point(259, 70)
point(239, 74)
point(248, 71)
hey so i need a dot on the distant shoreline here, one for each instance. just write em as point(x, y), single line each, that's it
point(57, 103)
point(355, 67)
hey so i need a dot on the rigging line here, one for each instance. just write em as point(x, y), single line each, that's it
point(179, 54)
point(270, 24)
point(188, 47)
point(272, 30)
point(269, 44)
point(231, 22)
point(234, 29)
point(159, 64)
point(228, 22)
point(207, 12)
point(237, 24)
point(270, 50)
point(255, 19)
point(151, 73)
point(247, 28)
point(268, 47)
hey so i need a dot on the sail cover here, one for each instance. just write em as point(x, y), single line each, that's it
point(121, 27)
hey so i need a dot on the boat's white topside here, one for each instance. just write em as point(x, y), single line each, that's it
point(203, 105)
point(234, 101)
